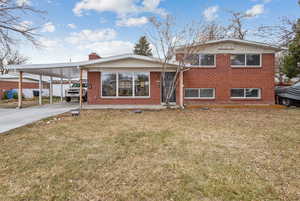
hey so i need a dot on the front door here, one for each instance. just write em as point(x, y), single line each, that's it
point(169, 76)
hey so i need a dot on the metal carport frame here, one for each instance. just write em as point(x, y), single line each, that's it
point(59, 70)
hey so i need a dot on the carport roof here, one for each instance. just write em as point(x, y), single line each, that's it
point(72, 69)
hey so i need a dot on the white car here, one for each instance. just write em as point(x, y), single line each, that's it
point(74, 92)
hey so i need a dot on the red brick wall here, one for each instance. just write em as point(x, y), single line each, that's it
point(15, 85)
point(94, 92)
point(223, 78)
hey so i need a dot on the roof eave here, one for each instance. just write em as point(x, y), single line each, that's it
point(267, 46)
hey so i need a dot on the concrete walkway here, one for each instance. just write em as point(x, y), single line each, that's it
point(14, 118)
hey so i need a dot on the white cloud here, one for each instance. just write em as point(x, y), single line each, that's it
point(56, 51)
point(131, 22)
point(88, 35)
point(101, 41)
point(153, 6)
point(49, 43)
point(72, 26)
point(23, 2)
point(48, 27)
point(211, 13)
point(109, 48)
point(256, 10)
point(121, 7)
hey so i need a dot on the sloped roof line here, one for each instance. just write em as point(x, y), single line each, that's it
point(85, 63)
point(248, 42)
point(15, 76)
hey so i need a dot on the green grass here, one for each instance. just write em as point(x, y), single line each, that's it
point(111, 155)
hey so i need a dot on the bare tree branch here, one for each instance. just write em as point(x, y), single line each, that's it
point(9, 58)
point(212, 31)
point(281, 34)
point(166, 37)
point(236, 28)
point(12, 26)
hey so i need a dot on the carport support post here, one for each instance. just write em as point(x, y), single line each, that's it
point(40, 90)
point(20, 90)
point(181, 90)
point(51, 90)
point(61, 90)
point(80, 92)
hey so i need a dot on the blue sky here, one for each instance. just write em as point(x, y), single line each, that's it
point(74, 28)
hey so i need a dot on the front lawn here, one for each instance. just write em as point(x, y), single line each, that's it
point(112, 155)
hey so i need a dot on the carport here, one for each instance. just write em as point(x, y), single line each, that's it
point(62, 71)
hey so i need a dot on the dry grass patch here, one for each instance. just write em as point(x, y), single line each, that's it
point(13, 103)
point(110, 155)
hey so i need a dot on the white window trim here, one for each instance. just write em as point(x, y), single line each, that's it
point(117, 87)
point(206, 98)
point(206, 66)
point(247, 98)
point(247, 66)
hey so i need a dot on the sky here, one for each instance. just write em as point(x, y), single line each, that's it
point(72, 29)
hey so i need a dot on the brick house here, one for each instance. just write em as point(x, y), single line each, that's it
point(220, 72)
point(9, 82)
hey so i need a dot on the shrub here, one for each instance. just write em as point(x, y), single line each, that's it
point(5, 96)
point(15, 95)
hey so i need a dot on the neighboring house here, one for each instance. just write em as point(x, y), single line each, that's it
point(221, 72)
point(10, 82)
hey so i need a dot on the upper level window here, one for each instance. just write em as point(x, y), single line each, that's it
point(247, 93)
point(193, 59)
point(253, 59)
point(245, 60)
point(205, 60)
point(238, 60)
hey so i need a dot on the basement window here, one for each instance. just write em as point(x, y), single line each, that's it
point(246, 93)
point(199, 93)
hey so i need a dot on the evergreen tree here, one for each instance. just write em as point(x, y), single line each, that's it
point(143, 47)
point(292, 60)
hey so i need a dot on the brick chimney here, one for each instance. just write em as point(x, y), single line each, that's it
point(94, 56)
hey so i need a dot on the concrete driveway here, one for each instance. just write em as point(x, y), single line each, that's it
point(14, 118)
